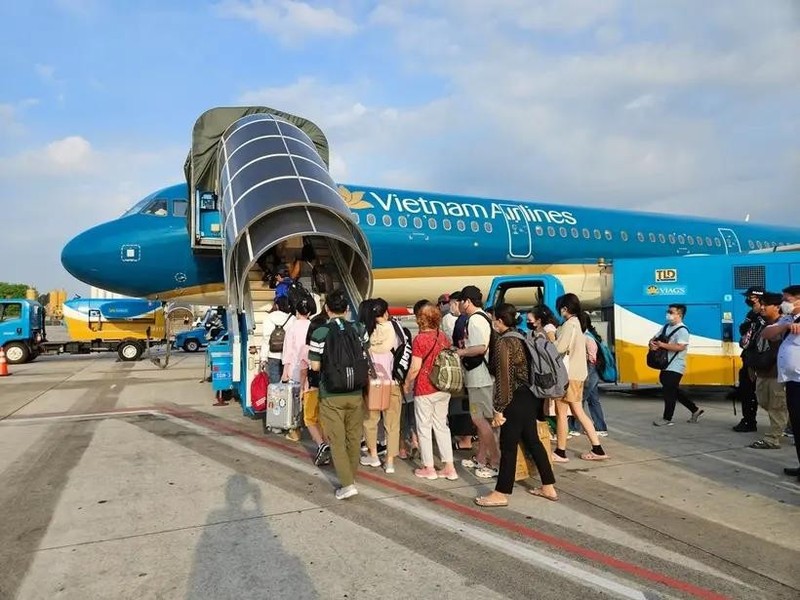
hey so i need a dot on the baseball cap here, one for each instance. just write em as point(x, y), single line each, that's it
point(754, 290)
point(472, 293)
point(772, 299)
point(444, 299)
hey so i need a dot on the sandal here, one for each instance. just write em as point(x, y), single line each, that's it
point(486, 503)
point(593, 456)
point(540, 494)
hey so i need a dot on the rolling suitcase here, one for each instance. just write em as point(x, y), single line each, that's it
point(283, 406)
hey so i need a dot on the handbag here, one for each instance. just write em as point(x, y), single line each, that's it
point(379, 389)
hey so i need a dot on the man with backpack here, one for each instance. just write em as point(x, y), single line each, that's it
point(674, 340)
point(274, 328)
point(761, 359)
point(338, 351)
point(748, 330)
point(475, 356)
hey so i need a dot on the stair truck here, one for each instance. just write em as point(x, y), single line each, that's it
point(124, 326)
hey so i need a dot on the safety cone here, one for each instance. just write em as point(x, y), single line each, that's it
point(3, 363)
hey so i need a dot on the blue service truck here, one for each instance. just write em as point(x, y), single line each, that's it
point(22, 330)
point(211, 327)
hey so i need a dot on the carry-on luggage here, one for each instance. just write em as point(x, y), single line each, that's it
point(283, 406)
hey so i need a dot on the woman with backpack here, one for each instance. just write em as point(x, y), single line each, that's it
point(571, 344)
point(515, 411)
point(591, 387)
point(430, 404)
point(382, 342)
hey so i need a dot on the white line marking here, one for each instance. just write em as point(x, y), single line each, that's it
point(741, 465)
point(78, 417)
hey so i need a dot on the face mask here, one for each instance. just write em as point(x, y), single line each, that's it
point(670, 318)
point(787, 307)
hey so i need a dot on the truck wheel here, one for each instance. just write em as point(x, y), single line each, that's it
point(129, 351)
point(17, 353)
point(191, 345)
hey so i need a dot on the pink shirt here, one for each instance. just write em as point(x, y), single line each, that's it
point(591, 350)
point(295, 350)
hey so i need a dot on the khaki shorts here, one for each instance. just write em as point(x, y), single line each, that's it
point(574, 392)
point(311, 407)
point(481, 401)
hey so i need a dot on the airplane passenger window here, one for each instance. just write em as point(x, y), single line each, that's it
point(461, 225)
point(671, 238)
point(690, 240)
point(487, 227)
point(356, 218)
point(751, 244)
point(447, 225)
point(402, 220)
point(539, 230)
point(562, 231)
point(371, 220)
point(709, 243)
point(699, 240)
point(717, 242)
point(597, 234)
point(651, 237)
point(387, 220)
point(586, 234)
point(575, 233)
point(551, 231)
point(432, 223)
point(640, 236)
point(624, 236)
point(156, 207)
point(681, 239)
point(179, 208)
point(417, 223)
point(609, 235)
point(759, 245)
point(475, 227)
point(662, 238)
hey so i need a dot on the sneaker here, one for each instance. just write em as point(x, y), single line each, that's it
point(574, 433)
point(426, 473)
point(449, 474)
point(364, 448)
point(696, 416)
point(486, 472)
point(553, 437)
point(293, 435)
point(602, 433)
point(663, 423)
point(382, 449)
point(764, 445)
point(389, 469)
point(744, 427)
point(471, 463)
point(323, 456)
point(369, 461)
point(348, 491)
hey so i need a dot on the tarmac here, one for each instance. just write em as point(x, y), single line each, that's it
point(120, 480)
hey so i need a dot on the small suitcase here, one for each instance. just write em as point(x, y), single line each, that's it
point(525, 467)
point(283, 406)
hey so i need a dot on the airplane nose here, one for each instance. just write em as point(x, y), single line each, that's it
point(80, 257)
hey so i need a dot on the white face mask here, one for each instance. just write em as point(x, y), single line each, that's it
point(670, 318)
point(787, 307)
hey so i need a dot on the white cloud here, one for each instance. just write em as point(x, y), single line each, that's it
point(11, 117)
point(291, 21)
point(45, 72)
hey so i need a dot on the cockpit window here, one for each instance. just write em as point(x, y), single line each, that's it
point(157, 207)
point(136, 208)
point(179, 208)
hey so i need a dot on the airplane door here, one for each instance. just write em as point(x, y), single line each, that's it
point(95, 319)
point(731, 240)
point(520, 244)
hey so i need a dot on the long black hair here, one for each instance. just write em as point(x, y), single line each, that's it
point(377, 308)
point(586, 325)
point(543, 313)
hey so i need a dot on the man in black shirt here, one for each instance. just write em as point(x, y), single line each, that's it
point(748, 330)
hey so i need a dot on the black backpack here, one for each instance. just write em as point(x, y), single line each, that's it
point(345, 364)
point(321, 279)
point(659, 359)
point(402, 354)
point(473, 362)
point(295, 293)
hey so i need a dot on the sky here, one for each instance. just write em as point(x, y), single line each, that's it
point(680, 107)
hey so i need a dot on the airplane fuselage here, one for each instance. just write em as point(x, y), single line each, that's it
point(423, 244)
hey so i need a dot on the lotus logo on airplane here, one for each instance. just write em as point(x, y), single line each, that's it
point(353, 199)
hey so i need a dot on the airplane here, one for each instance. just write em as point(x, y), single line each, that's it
point(423, 244)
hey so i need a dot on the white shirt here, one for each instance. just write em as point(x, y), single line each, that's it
point(271, 321)
point(789, 354)
point(479, 334)
point(448, 323)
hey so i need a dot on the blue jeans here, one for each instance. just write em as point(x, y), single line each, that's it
point(591, 402)
point(274, 370)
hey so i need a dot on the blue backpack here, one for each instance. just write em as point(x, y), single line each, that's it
point(606, 364)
